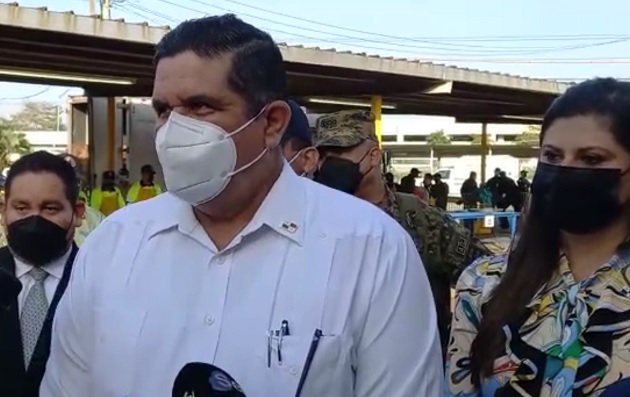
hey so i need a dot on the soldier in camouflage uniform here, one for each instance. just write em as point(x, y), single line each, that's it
point(351, 162)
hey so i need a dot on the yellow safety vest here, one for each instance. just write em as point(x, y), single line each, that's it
point(106, 201)
point(137, 192)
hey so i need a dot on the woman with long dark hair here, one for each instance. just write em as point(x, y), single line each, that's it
point(552, 317)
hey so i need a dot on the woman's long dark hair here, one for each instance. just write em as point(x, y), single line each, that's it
point(534, 258)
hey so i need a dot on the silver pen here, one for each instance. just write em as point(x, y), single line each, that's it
point(269, 341)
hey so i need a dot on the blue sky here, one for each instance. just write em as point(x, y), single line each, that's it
point(433, 30)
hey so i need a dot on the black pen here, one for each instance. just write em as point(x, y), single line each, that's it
point(309, 360)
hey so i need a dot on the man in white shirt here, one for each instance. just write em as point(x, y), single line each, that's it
point(41, 213)
point(291, 287)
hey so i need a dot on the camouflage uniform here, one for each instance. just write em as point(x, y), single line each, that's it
point(445, 246)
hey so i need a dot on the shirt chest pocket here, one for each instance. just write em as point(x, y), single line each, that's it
point(115, 357)
point(328, 371)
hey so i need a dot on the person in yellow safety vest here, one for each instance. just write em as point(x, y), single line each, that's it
point(145, 188)
point(107, 198)
point(92, 217)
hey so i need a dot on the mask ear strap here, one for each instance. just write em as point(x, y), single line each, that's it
point(363, 158)
point(248, 123)
point(295, 157)
point(246, 166)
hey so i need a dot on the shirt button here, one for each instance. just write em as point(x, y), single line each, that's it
point(209, 320)
point(220, 260)
point(293, 370)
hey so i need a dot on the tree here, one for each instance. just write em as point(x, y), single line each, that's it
point(438, 137)
point(38, 116)
point(11, 143)
point(529, 137)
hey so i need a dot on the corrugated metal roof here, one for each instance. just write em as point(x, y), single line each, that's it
point(41, 18)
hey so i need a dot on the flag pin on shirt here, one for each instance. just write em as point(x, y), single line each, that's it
point(290, 227)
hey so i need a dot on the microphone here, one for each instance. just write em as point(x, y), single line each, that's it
point(10, 287)
point(205, 380)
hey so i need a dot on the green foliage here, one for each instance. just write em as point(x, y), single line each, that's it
point(529, 137)
point(438, 137)
point(38, 116)
point(11, 143)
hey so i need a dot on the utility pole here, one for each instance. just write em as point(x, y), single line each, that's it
point(106, 9)
point(92, 7)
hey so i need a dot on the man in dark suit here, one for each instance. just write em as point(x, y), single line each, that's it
point(41, 213)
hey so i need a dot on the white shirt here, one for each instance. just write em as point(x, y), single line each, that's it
point(54, 270)
point(150, 293)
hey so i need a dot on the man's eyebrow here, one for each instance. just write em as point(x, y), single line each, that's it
point(52, 202)
point(205, 99)
point(18, 202)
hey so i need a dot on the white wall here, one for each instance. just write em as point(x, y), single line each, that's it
point(51, 141)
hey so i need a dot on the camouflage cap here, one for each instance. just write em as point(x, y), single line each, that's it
point(345, 128)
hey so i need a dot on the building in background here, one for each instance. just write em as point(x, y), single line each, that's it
point(55, 142)
point(411, 140)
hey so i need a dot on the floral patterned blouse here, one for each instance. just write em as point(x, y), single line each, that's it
point(574, 340)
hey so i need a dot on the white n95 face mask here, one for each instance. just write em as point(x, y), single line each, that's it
point(198, 158)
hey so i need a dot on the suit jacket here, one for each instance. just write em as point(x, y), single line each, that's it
point(15, 380)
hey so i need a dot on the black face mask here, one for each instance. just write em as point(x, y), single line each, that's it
point(341, 174)
point(576, 200)
point(37, 240)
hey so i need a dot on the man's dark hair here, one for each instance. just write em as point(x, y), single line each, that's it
point(258, 73)
point(39, 162)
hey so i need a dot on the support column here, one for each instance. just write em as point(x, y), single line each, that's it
point(111, 134)
point(377, 105)
point(484, 151)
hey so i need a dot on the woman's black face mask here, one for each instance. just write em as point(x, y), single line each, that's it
point(576, 200)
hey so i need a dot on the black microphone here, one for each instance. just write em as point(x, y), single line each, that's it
point(10, 287)
point(205, 380)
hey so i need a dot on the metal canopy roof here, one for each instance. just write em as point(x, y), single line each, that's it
point(36, 39)
point(454, 150)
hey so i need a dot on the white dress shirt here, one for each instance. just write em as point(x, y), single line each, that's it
point(54, 270)
point(150, 293)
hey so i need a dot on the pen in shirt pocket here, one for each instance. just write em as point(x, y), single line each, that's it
point(317, 336)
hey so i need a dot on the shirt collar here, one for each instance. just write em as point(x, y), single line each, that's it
point(54, 268)
point(283, 210)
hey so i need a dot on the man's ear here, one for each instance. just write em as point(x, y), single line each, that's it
point(376, 156)
point(311, 159)
point(79, 212)
point(278, 114)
